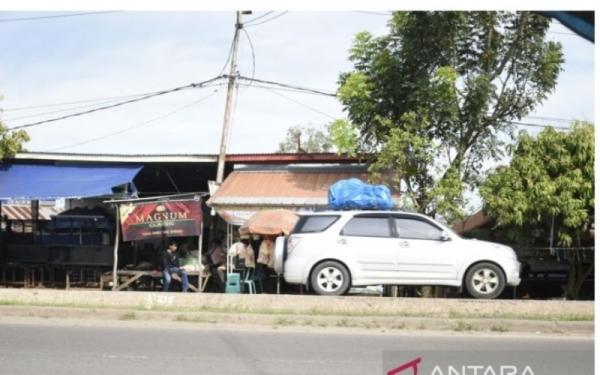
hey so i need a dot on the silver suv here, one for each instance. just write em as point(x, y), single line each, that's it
point(334, 250)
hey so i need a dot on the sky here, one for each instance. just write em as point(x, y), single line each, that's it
point(58, 60)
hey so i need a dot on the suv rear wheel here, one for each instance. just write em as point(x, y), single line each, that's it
point(485, 280)
point(330, 278)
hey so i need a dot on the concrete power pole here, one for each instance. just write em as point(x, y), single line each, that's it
point(228, 103)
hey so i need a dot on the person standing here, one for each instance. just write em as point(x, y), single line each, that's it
point(243, 250)
point(170, 259)
point(265, 259)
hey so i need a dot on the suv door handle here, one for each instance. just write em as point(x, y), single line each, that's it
point(342, 241)
point(403, 243)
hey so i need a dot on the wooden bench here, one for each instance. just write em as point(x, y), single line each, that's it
point(131, 276)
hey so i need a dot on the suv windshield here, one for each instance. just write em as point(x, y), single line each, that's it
point(312, 224)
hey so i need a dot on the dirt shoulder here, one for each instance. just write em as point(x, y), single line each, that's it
point(284, 311)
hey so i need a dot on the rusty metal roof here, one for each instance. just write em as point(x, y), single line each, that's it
point(282, 187)
point(254, 158)
point(475, 221)
point(23, 212)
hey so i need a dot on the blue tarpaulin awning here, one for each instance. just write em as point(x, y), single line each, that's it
point(36, 181)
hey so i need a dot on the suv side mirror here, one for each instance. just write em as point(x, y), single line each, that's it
point(445, 236)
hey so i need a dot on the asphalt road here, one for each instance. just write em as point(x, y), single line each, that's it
point(136, 348)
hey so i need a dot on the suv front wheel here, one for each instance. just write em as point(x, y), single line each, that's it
point(485, 280)
point(330, 278)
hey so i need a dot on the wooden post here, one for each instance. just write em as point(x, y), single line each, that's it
point(116, 252)
point(200, 239)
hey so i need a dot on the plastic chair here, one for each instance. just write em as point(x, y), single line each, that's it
point(233, 284)
point(249, 280)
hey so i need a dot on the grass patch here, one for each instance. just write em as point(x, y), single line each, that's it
point(371, 325)
point(343, 323)
point(130, 315)
point(235, 309)
point(398, 326)
point(194, 319)
point(281, 321)
point(498, 328)
point(462, 326)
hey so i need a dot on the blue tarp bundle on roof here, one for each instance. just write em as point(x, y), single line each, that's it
point(34, 181)
point(353, 194)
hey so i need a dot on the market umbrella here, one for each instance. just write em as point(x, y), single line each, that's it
point(272, 222)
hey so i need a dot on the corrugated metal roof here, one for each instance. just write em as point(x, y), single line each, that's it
point(281, 187)
point(23, 212)
point(475, 221)
point(188, 158)
point(116, 158)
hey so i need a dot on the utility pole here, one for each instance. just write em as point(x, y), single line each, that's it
point(228, 103)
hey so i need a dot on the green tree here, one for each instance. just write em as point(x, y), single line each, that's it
point(11, 142)
point(549, 185)
point(431, 97)
point(300, 139)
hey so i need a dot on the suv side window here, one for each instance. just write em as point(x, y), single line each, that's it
point(416, 229)
point(313, 224)
point(367, 226)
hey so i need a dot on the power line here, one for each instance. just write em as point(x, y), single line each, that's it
point(134, 126)
point(539, 125)
point(289, 86)
point(374, 13)
point(259, 17)
point(94, 104)
point(557, 119)
point(5, 20)
point(272, 91)
point(110, 106)
point(229, 54)
point(253, 54)
point(109, 98)
point(563, 33)
point(267, 20)
point(58, 110)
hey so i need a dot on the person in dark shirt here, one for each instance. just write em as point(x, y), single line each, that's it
point(170, 260)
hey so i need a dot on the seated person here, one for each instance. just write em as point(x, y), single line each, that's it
point(170, 260)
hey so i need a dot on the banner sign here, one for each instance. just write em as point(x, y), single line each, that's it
point(141, 221)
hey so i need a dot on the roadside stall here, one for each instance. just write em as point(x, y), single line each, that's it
point(263, 227)
point(71, 247)
point(148, 223)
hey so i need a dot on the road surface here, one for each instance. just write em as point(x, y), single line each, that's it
point(131, 348)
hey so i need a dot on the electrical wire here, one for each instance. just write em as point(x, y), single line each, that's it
point(5, 20)
point(557, 119)
point(108, 100)
point(136, 125)
point(289, 86)
point(272, 91)
point(539, 125)
point(253, 54)
point(373, 13)
point(267, 20)
point(229, 55)
point(110, 106)
point(280, 89)
point(259, 17)
point(59, 110)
